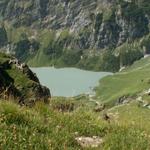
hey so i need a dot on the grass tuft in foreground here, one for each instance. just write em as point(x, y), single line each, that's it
point(46, 127)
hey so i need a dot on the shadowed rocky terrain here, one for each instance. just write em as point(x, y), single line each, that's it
point(19, 83)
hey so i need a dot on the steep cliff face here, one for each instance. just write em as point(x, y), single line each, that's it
point(18, 82)
point(88, 25)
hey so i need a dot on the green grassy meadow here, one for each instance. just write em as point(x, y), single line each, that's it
point(130, 82)
point(45, 127)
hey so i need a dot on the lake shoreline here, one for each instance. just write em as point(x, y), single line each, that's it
point(68, 82)
point(66, 67)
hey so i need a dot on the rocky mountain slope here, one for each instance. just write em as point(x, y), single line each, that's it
point(19, 83)
point(78, 33)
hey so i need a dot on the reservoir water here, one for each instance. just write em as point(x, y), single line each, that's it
point(68, 82)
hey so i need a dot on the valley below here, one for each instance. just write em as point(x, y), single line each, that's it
point(33, 117)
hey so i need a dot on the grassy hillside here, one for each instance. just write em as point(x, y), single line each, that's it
point(129, 82)
point(44, 127)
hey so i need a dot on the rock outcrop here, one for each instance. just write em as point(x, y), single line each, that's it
point(89, 142)
point(19, 83)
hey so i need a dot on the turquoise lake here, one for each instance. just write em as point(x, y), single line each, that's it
point(68, 82)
